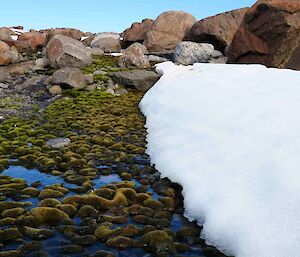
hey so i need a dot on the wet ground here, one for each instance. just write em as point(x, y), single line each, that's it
point(97, 196)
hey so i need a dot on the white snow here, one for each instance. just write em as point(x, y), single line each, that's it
point(230, 135)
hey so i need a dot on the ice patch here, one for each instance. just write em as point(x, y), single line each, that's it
point(230, 135)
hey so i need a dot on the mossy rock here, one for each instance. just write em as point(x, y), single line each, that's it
point(48, 215)
point(11, 205)
point(38, 234)
point(121, 242)
point(103, 233)
point(31, 191)
point(49, 202)
point(9, 235)
point(13, 213)
point(157, 241)
point(50, 193)
point(67, 208)
point(87, 211)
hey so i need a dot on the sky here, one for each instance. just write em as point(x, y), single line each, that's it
point(100, 15)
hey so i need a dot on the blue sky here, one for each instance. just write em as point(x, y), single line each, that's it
point(99, 15)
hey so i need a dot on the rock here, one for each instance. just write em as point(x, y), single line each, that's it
point(157, 59)
point(168, 30)
point(97, 51)
point(38, 234)
point(218, 30)
point(3, 85)
point(134, 56)
point(137, 32)
point(63, 51)
point(269, 35)
point(70, 77)
point(40, 64)
point(48, 215)
point(5, 34)
point(157, 240)
point(68, 32)
point(55, 90)
point(58, 143)
point(140, 79)
point(15, 56)
point(188, 53)
point(5, 54)
point(217, 57)
point(109, 42)
point(35, 39)
point(89, 78)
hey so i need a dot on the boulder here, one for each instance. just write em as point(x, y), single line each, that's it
point(188, 53)
point(68, 77)
point(5, 54)
point(168, 30)
point(63, 51)
point(68, 32)
point(269, 35)
point(109, 42)
point(35, 39)
point(218, 30)
point(142, 80)
point(5, 34)
point(137, 32)
point(134, 56)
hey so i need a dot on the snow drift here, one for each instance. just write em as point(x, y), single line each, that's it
point(230, 135)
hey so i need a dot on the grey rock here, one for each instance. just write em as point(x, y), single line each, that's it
point(109, 42)
point(58, 143)
point(63, 51)
point(89, 78)
point(139, 79)
point(154, 58)
point(70, 77)
point(188, 53)
point(3, 85)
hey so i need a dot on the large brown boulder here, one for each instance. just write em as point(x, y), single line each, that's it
point(68, 32)
point(168, 30)
point(269, 35)
point(5, 54)
point(5, 34)
point(218, 30)
point(134, 56)
point(63, 51)
point(137, 32)
point(35, 39)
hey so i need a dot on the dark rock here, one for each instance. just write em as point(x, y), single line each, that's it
point(269, 35)
point(139, 79)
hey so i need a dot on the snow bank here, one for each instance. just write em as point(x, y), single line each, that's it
point(230, 135)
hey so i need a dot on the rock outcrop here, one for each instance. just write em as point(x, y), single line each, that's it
point(63, 51)
point(168, 30)
point(218, 30)
point(134, 56)
point(137, 32)
point(269, 35)
point(109, 42)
